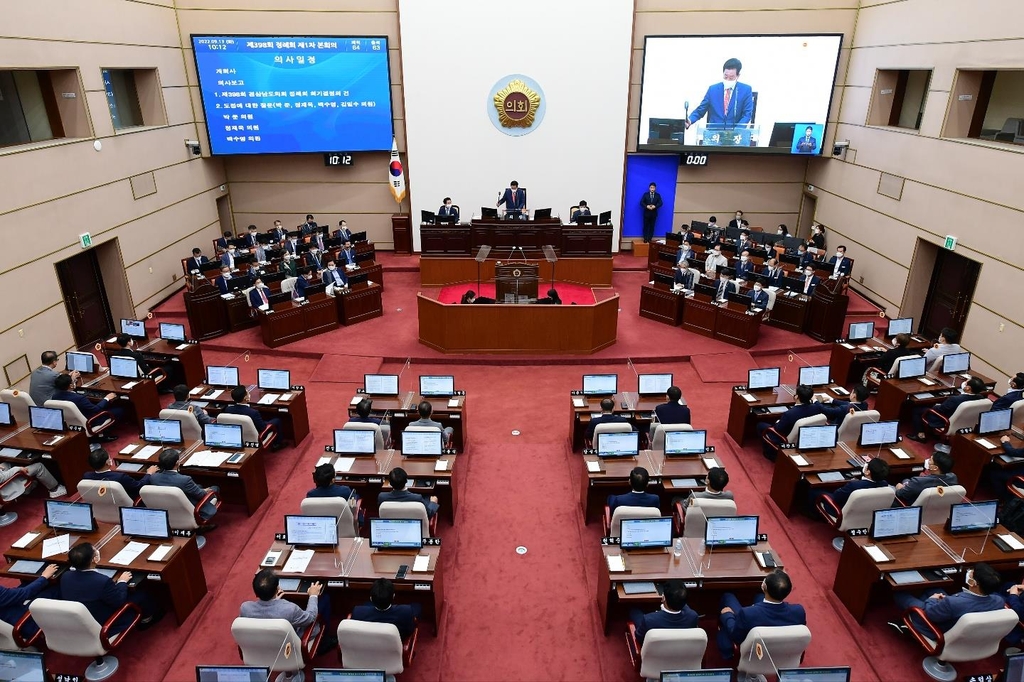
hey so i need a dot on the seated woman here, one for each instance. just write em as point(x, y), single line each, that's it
point(552, 298)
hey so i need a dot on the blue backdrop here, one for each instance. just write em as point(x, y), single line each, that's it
point(641, 171)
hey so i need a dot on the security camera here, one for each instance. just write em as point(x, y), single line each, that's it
point(194, 147)
point(839, 148)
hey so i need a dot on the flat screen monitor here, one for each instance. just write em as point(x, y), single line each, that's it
point(653, 384)
point(896, 522)
point(1014, 669)
point(222, 376)
point(6, 418)
point(231, 673)
point(353, 442)
point(618, 444)
point(685, 442)
point(542, 214)
point(831, 674)
point(705, 675)
point(170, 331)
point(396, 534)
point(901, 325)
point(133, 328)
point(69, 516)
point(380, 384)
point(227, 436)
point(165, 431)
point(311, 531)
point(81, 362)
point(731, 531)
point(859, 331)
point(342, 675)
point(600, 384)
point(644, 533)
point(450, 218)
point(604, 218)
point(760, 379)
point(421, 443)
point(994, 421)
point(427, 217)
point(879, 433)
point(46, 419)
point(305, 93)
point(972, 516)
point(22, 666)
point(142, 522)
point(954, 363)
point(817, 437)
point(911, 368)
point(817, 375)
point(586, 220)
point(124, 367)
point(273, 379)
point(441, 386)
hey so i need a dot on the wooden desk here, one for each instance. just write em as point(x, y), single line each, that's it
point(291, 321)
point(349, 571)
point(744, 416)
point(849, 364)
point(661, 304)
point(531, 235)
point(185, 366)
point(899, 396)
point(293, 413)
point(141, 400)
point(789, 313)
point(638, 409)
point(244, 482)
point(438, 271)
point(181, 578)
point(970, 458)
point(401, 411)
point(737, 326)
point(68, 459)
point(362, 302)
point(859, 579)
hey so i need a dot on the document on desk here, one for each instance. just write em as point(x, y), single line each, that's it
point(579, 402)
point(923, 396)
point(684, 482)
point(710, 462)
point(1008, 539)
point(593, 466)
point(269, 398)
point(343, 465)
point(146, 452)
point(215, 394)
point(356, 399)
point(800, 461)
point(453, 403)
point(985, 444)
point(129, 553)
point(160, 553)
point(25, 540)
point(616, 564)
point(58, 545)
point(830, 476)
point(906, 577)
point(847, 346)
point(285, 397)
point(129, 386)
point(207, 458)
point(876, 553)
point(182, 346)
point(777, 409)
point(10, 452)
point(196, 391)
point(866, 349)
point(925, 381)
point(421, 564)
point(749, 398)
point(900, 453)
point(298, 560)
point(128, 449)
point(323, 460)
point(441, 465)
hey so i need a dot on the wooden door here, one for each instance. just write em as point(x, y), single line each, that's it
point(85, 298)
point(949, 294)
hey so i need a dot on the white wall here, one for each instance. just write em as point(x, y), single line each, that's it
point(454, 51)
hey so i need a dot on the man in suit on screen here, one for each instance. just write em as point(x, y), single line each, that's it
point(807, 144)
point(728, 103)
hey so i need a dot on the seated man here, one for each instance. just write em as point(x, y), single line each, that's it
point(758, 296)
point(607, 416)
point(810, 281)
point(62, 391)
point(876, 473)
point(836, 410)
point(223, 279)
point(269, 604)
point(36, 472)
point(15, 601)
point(714, 260)
point(222, 242)
point(182, 402)
point(347, 255)
point(998, 476)
point(447, 209)
point(938, 470)
point(301, 284)
point(682, 275)
point(638, 479)
point(128, 349)
point(398, 480)
point(323, 478)
point(946, 344)
point(333, 276)
point(726, 285)
point(363, 411)
point(806, 258)
point(382, 609)
point(674, 614)
point(260, 294)
point(425, 409)
point(803, 408)
point(887, 363)
point(773, 273)
point(197, 261)
point(1016, 392)
point(982, 592)
point(167, 474)
point(685, 252)
point(973, 389)
point(841, 265)
point(103, 470)
point(103, 596)
point(241, 406)
point(582, 209)
point(714, 487)
point(745, 266)
point(769, 609)
point(229, 257)
point(673, 411)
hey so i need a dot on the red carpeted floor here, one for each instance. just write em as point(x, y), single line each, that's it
point(579, 294)
point(508, 616)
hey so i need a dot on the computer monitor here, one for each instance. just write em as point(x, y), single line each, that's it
point(731, 531)
point(901, 325)
point(427, 217)
point(973, 516)
point(879, 433)
point(437, 385)
point(222, 435)
point(46, 419)
point(954, 363)
point(816, 375)
point(343, 675)
point(165, 431)
point(273, 379)
point(353, 442)
point(81, 362)
point(685, 443)
point(171, 331)
point(237, 283)
point(143, 522)
point(311, 531)
point(741, 299)
point(69, 516)
point(133, 328)
point(22, 666)
point(911, 368)
point(124, 367)
point(760, 379)
point(704, 675)
point(654, 384)
point(6, 418)
point(817, 437)
point(450, 218)
point(1013, 671)
point(832, 674)
point(618, 444)
point(488, 212)
point(542, 214)
point(222, 376)
point(586, 220)
point(859, 331)
point(396, 534)
point(380, 384)
point(896, 522)
point(600, 384)
point(994, 421)
point(604, 218)
point(421, 443)
point(644, 533)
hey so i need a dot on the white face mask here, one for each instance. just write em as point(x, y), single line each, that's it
point(227, 275)
point(757, 287)
point(743, 258)
point(331, 268)
point(839, 254)
point(809, 273)
point(728, 83)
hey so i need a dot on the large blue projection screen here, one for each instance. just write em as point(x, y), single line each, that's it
point(293, 94)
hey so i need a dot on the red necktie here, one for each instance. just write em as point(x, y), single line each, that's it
point(263, 295)
point(728, 96)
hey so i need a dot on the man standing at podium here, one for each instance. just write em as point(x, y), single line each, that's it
point(514, 200)
point(728, 103)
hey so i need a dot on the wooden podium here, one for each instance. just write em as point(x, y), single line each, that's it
point(827, 310)
point(207, 316)
point(518, 279)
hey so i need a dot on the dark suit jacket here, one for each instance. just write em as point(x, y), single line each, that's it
point(814, 284)
point(739, 225)
point(347, 257)
point(12, 599)
point(944, 613)
point(334, 490)
point(173, 479)
point(444, 210)
point(759, 299)
point(773, 280)
point(328, 277)
point(744, 270)
point(291, 247)
point(315, 260)
point(251, 241)
point(254, 415)
point(577, 213)
point(722, 288)
point(101, 595)
point(137, 356)
point(912, 487)
point(684, 277)
point(604, 419)
point(837, 410)
point(399, 615)
point(738, 625)
point(514, 201)
point(633, 499)
point(222, 243)
point(672, 413)
point(344, 235)
point(741, 105)
point(794, 414)
point(222, 284)
point(689, 255)
point(806, 258)
point(844, 268)
point(229, 260)
point(842, 495)
point(807, 145)
point(194, 263)
point(132, 486)
point(406, 496)
point(301, 284)
point(1006, 401)
point(645, 200)
point(88, 408)
point(663, 620)
point(254, 297)
point(278, 235)
point(948, 406)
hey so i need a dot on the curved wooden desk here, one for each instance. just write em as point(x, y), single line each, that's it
point(517, 328)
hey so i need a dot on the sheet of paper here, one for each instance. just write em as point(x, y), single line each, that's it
point(25, 540)
point(866, 349)
point(684, 482)
point(285, 397)
point(181, 347)
point(453, 402)
point(129, 553)
point(900, 453)
point(146, 452)
point(128, 449)
point(160, 553)
point(710, 462)
point(906, 577)
point(985, 444)
point(421, 564)
point(800, 461)
point(207, 458)
point(616, 563)
point(926, 382)
point(876, 553)
point(847, 346)
point(215, 394)
point(593, 466)
point(269, 398)
point(344, 464)
point(579, 402)
point(129, 386)
point(298, 560)
point(196, 391)
point(58, 545)
point(1005, 537)
point(441, 465)
point(749, 398)
point(356, 399)
point(323, 460)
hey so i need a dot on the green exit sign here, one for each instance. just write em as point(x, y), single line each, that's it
point(85, 240)
point(950, 243)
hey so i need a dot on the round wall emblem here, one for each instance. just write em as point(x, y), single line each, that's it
point(516, 105)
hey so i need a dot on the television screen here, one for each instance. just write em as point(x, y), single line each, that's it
point(294, 94)
point(684, 105)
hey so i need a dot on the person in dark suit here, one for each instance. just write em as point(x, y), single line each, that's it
point(197, 261)
point(727, 103)
point(803, 408)
point(938, 471)
point(260, 294)
point(292, 247)
point(836, 410)
point(876, 473)
point(650, 203)
point(713, 232)
point(758, 296)
point(103, 470)
point(673, 614)
point(810, 281)
point(127, 348)
point(638, 480)
point(982, 592)
point(287, 265)
point(167, 474)
point(332, 275)
point(323, 479)
point(806, 257)
point(347, 255)
point(447, 209)
point(314, 258)
point(743, 242)
point(726, 285)
point(382, 609)
point(222, 281)
point(1016, 392)
point(682, 275)
point(222, 243)
point(301, 284)
point(89, 409)
point(182, 402)
point(317, 240)
point(607, 416)
point(773, 273)
point(807, 144)
point(251, 238)
point(973, 389)
point(240, 396)
point(841, 265)
point(101, 595)
point(278, 234)
point(745, 267)
point(769, 609)
point(551, 299)
point(343, 233)
point(899, 350)
point(15, 601)
point(399, 479)
point(470, 297)
point(227, 259)
point(685, 252)
point(673, 411)
point(307, 228)
point(582, 209)
point(514, 199)
point(738, 222)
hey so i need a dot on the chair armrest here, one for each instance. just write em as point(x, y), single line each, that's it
point(100, 421)
point(210, 494)
point(157, 374)
point(941, 417)
point(105, 632)
point(766, 439)
point(356, 511)
point(268, 435)
point(632, 646)
point(432, 525)
point(680, 518)
point(1016, 486)
point(826, 506)
point(607, 520)
point(19, 637)
point(409, 646)
point(940, 641)
point(875, 375)
point(309, 653)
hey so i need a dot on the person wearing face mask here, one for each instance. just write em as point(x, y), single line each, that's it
point(758, 296)
point(347, 255)
point(973, 389)
point(278, 234)
point(287, 265)
point(782, 231)
point(772, 273)
point(1016, 392)
point(343, 233)
point(739, 222)
point(292, 246)
point(334, 277)
point(228, 258)
point(309, 226)
point(713, 232)
point(714, 261)
point(582, 209)
point(301, 284)
point(743, 243)
point(806, 258)
point(685, 252)
point(938, 471)
point(260, 295)
point(817, 239)
point(448, 209)
point(745, 268)
point(683, 276)
point(726, 285)
point(222, 281)
point(727, 103)
point(810, 281)
point(769, 609)
point(946, 344)
point(982, 592)
point(841, 265)
point(314, 259)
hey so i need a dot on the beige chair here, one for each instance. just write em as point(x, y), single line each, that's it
point(100, 422)
point(613, 522)
point(1018, 412)
point(815, 420)
point(409, 510)
point(666, 649)
point(339, 508)
point(288, 285)
point(974, 637)
point(771, 299)
point(19, 401)
point(858, 512)
point(936, 502)
point(849, 429)
point(379, 440)
point(609, 428)
point(182, 514)
point(265, 438)
point(874, 375)
point(658, 435)
point(11, 638)
point(106, 498)
point(272, 643)
point(190, 428)
point(965, 416)
point(783, 647)
point(70, 629)
point(695, 519)
point(375, 646)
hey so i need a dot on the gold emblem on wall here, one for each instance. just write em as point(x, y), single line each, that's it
point(516, 104)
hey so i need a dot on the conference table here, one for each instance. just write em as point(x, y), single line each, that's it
point(850, 359)
point(749, 408)
point(971, 455)
point(138, 397)
point(67, 458)
point(638, 409)
point(460, 239)
point(183, 360)
point(898, 397)
point(290, 406)
point(291, 321)
point(401, 410)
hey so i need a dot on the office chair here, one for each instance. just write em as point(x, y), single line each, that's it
point(93, 427)
point(874, 375)
point(613, 522)
point(272, 642)
point(182, 514)
point(693, 520)
point(849, 429)
point(666, 650)
point(858, 512)
point(935, 503)
point(379, 440)
point(814, 420)
point(288, 284)
point(190, 428)
point(624, 427)
point(974, 637)
point(19, 401)
point(375, 646)
point(410, 510)
point(783, 646)
point(338, 507)
point(1017, 411)
point(965, 416)
point(11, 637)
point(265, 438)
point(658, 435)
point(106, 498)
point(68, 628)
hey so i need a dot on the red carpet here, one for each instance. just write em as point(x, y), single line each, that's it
point(569, 293)
point(345, 368)
point(728, 368)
